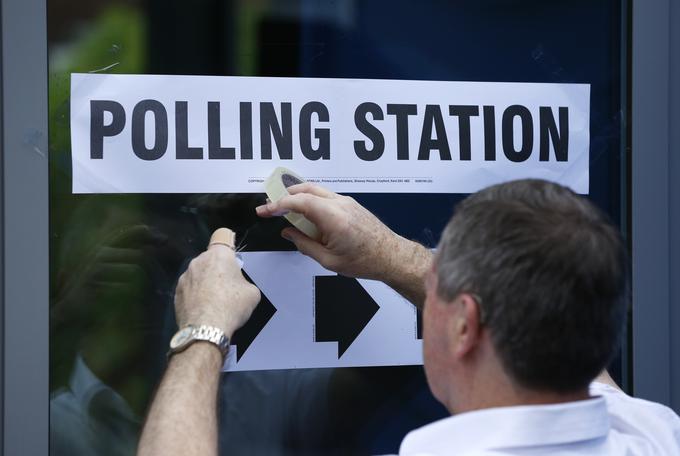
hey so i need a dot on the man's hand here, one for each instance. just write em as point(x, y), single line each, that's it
point(183, 416)
point(353, 242)
point(213, 290)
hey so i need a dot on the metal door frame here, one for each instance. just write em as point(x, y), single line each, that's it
point(24, 217)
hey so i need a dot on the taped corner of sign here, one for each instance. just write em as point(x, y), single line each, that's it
point(276, 187)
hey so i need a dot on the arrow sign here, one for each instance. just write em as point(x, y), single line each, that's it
point(342, 310)
point(245, 336)
point(309, 317)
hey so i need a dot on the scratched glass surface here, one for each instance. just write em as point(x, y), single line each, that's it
point(115, 258)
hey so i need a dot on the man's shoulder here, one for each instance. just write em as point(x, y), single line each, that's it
point(641, 419)
point(619, 401)
point(610, 422)
point(466, 453)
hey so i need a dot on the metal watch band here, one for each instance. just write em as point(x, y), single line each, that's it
point(214, 335)
point(189, 334)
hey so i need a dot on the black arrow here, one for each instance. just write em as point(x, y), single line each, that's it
point(342, 310)
point(248, 332)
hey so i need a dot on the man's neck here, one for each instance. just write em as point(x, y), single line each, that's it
point(510, 399)
point(495, 389)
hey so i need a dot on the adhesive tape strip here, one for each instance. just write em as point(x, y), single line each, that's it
point(222, 236)
point(276, 187)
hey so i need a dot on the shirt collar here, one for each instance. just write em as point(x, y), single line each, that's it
point(83, 383)
point(96, 397)
point(512, 427)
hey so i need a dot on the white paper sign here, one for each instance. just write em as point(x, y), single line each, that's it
point(310, 317)
point(203, 134)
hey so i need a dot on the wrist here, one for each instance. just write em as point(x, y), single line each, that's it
point(407, 267)
point(225, 325)
point(201, 354)
point(191, 334)
point(385, 262)
point(398, 257)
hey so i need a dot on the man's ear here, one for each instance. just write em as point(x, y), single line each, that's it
point(467, 324)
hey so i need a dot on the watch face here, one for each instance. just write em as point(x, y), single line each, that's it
point(181, 337)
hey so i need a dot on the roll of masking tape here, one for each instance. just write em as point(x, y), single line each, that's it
point(276, 187)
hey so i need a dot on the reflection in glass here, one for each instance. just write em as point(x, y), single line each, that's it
point(115, 258)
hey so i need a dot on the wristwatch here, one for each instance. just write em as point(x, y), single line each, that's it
point(190, 334)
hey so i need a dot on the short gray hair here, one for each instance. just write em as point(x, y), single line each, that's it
point(550, 276)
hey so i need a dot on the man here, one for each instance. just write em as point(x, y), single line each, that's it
point(524, 304)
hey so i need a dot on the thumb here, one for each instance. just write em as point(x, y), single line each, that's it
point(304, 243)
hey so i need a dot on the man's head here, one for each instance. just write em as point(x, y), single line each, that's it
point(538, 272)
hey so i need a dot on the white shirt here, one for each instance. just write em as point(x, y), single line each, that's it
point(89, 418)
point(610, 423)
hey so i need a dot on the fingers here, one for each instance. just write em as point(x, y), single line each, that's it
point(275, 209)
point(254, 294)
point(120, 255)
point(313, 207)
point(221, 246)
point(120, 272)
point(308, 187)
point(270, 210)
point(135, 236)
point(306, 245)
